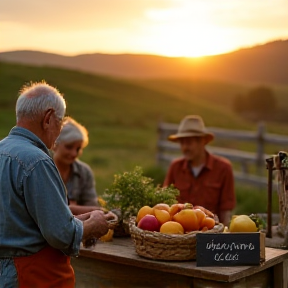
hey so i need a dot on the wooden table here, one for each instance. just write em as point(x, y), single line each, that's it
point(116, 264)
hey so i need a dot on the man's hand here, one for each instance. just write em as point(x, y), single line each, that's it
point(95, 226)
point(83, 217)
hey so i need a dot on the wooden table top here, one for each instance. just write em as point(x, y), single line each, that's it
point(122, 251)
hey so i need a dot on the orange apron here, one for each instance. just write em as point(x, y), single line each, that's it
point(48, 268)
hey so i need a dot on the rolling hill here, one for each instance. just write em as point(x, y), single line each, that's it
point(262, 64)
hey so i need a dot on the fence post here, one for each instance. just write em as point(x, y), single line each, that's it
point(260, 148)
point(158, 149)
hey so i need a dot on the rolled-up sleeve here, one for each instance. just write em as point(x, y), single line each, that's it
point(46, 201)
point(74, 249)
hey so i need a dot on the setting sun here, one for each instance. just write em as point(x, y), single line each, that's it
point(177, 41)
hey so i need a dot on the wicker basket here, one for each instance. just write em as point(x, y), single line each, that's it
point(160, 246)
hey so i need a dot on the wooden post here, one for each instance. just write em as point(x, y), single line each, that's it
point(244, 167)
point(260, 148)
point(269, 162)
point(158, 149)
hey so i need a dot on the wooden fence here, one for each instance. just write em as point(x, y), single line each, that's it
point(167, 151)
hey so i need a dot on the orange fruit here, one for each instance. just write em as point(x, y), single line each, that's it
point(175, 208)
point(208, 222)
point(172, 227)
point(144, 211)
point(107, 237)
point(162, 206)
point(200, 215)
point(188, 219)
point(162, 215)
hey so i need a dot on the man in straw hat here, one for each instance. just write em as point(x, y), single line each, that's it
point(202, 178)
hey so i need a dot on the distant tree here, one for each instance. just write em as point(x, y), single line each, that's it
point(262, 100)
point(239, 103)
point(258, 104)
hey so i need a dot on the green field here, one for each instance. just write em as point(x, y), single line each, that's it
point(122, 115)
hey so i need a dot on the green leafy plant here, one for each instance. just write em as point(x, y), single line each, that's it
point(131, 190)
point(260, 222)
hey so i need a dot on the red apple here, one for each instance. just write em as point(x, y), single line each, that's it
point(149, 222)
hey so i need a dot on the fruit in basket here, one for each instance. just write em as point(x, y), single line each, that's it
point(149, 222)
point(200, 215)
point(162, 206)
point(206, 211)
point(242, 223)
point(175, 208)
point(162, 215)
point(172, 227)
point(144, 211)
point(207, 222)
point(188, 219)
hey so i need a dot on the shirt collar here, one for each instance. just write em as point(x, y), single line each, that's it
point(209, 162)
point(25, 133)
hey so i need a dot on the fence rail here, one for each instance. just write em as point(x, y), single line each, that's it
point(167, 151)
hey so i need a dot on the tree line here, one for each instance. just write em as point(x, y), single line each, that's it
point(260, 103)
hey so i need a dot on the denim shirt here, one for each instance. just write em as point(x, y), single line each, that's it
point(33, 203)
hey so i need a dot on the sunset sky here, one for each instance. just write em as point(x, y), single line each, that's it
point(162, 27)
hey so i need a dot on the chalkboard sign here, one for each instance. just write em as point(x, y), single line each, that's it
point(227, 249)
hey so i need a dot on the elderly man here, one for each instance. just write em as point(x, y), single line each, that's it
point(202, 179)
point(38, 232)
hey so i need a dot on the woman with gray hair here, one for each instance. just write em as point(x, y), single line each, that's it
point(77, 176)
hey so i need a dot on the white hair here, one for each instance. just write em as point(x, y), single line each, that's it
point(36, 98)
point(73, 131)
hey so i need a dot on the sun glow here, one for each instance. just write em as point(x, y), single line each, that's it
point(194, 43)
point(190, 41)
point(187, 32)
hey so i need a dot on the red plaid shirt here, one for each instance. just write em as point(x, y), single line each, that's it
point(213, 188)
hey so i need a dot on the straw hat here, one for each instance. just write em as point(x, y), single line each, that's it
point(192, 126)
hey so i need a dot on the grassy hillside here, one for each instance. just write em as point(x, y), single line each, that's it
point(122, 115)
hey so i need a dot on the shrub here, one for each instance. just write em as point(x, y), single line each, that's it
point(132, 190)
